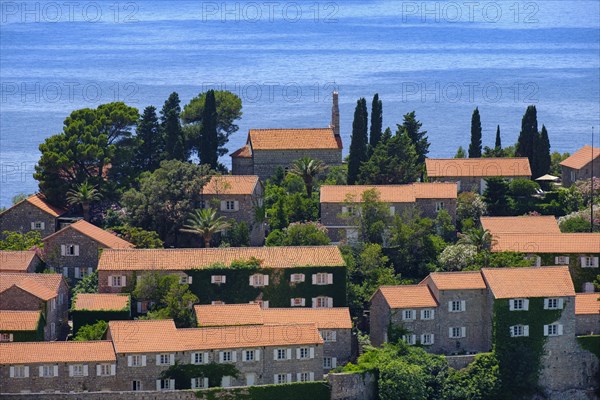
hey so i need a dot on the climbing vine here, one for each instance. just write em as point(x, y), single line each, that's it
point(183, 373)
point(291, 391)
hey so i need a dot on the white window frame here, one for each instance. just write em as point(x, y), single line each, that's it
point(410, 339)
point(518, 304)
point(409, 315)
point(428, 314)
point(439, 205)
point(457, 332)
point(259, 280)
point(329, 336)
point(281, 354)
point(6, 337)
point(116, 281)
point(322, 278)
point(304, 377)
point(104, 369)
point(136, 385)
point(553, 303)
point(519, 330)
point(165, 384)
point(589, 262)
point(281, 379)
point(555, 329)
point(48, 371)
point(218, 279)
point(199, 358)
point(71, 250)
point(323, 302)
point(329, 362)
point(19, 371)
point(457, 306)
point(77, 370)
point(303, 353)
point(427, 339)
point(297, 278)
point(561, 260)
point(165, 359)
point(226, 356)
point(298, 302)
point(249, 356)
point(199, 383)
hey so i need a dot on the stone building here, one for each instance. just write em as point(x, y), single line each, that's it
point(587, 313)
point(260, 354)
point(89, 308)
point(47, 293)
point(21, 326)
point(49, 367)
point(316, 274)
point(470, 173)
point(268, 149)
point(340, 204)
point(334, 324)
point(75, 249)
point(19, 261)
point(237, 197)
point(580, 165)
point(32, 214)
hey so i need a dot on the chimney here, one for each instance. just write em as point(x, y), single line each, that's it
point(335, 115)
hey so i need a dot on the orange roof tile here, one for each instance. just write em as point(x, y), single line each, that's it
point(16, 261)
point(408, 296)
point(11, 320)
point(559, 243)
point(523, 224)
point(464, 280)
point(323, 318)
point(581, 157)
point(508, 283)
point(56, 352)
point(39, 200)
point(284, 139)
point(184, 259)
point(477, 167)
point(388, 193)
point(228, 314)
point(105, 238)
point(587, 303)
point(156, 336)
point(44, 286)
point(101, 301)
point(243, 152)
point(231, 184)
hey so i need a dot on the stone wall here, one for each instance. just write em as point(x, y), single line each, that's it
point(587, 324)
point(353, 386)
point(379, 319)
point(584, 173)
point(242, 166)
point(88, 252)
point(341, 349)
point(143, 395)
point(460, 362)
point(20, 217)
point(267, 161)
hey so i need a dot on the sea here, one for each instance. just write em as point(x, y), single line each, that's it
point(284, 58)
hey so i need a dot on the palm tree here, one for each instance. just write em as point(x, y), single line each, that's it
point(83, 194)
point(307, 168)
point(206, 223)
point(478, 237)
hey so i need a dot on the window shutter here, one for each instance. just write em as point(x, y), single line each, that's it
point(113, 369)
point(193, 380)
point(189, 280)
point(223, 279)
point(236, 205)
point(244, 355)
point(344, 211)
point(329, 279)
point(275, 379)
point(545, 330)
point(55, 370)
point(158, 359)
point(432, 338)
point(289, 378)
point(70, 370)
point(463, 331)
point(526, 330)
point(172, 359)
point(265, 304)
point(333, 362)
point(266, 280)
point(546, 305)
point(98, 370)
point(26, 372)
point(298, 376)
point(311, 376)
point(65, 271)
point(257, 355)
point(561, 303)
point(289, 354)
point(32, 225)
point(171, 384)
point(76, 249)
point(556, 260)
point(303, 302)
point(251, 280)
point(511, 305)
point(595, 262)
point(312, 352)
point(158, 384)
point(41, 369)
point(90, 270)
point(526, 304)
point(560, 329)
point(291, 302)
point(110, 280)
point(143, 361)
point(314, 302)
point(314, 279)
point(234, 356)
point(275, 354)
point(129, 361)
point(12, 372)
point(139, 307)
point(221, 357)
point(450, 306)
point(449, 332)
point(329, 302)
point(223, 205)
point(463, 305)
point(63, 250)
point(298, 354)
point(85, 370)
point(192, 358)
point(392, 211)
point(432, 314)
point(123, 280)
point(205, 380)
point(76, 272)
point(582, 261)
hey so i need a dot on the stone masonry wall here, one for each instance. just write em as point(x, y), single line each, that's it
point(20, 217)
point(88, 252)
point(379, 319)
point(587, 324)
point(353, 386)
point(583, 173)
point(267, 161)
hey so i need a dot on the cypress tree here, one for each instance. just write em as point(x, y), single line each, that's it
point(209, 141)
point(376, 121)
point(151, 147)
point(542, 159)
point(475, 146)
point(175, 146)
point(498, 146)
point(528, 134)
point(358, 141)
point(412, 127)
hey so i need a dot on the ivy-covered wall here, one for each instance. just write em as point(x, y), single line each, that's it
point(90, 317)
point(590, 343)
point(520, 357)
point(279, 291)
point(29, 336)
point(578, 274)
point(319, 390)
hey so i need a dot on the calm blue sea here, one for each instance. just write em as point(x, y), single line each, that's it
point(283, 58)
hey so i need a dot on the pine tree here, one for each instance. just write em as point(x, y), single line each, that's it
point(475, 146)
point(175, 146)
point(358, 141)
point(151, 143)
point(376, 121)
point(460, 153)
point(209, 142)
point(498, 146)
point(412, 127)
point(529, 132)
point(542, 159)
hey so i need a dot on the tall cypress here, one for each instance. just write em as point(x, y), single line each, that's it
point(528, 134)
point(209, 141)
point(475, 146)
point(358, 141)
point(498, 146)
point(542, 159)
point(151, 143)
point(376, 121)
point(412, 127)
point(175, 146)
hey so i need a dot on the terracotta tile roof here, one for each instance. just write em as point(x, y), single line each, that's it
point(581, 157)
point(508, 283)
point(388, 193)
point(105, 238)
point(456, 280)
point(39, 200)
point(323, 318)
point(231, 184)
point(284, 139)
point(478, 167)
point(523, 224)
point(16, 261)
point(11, 320)
point(228, 314)
point(101, 301)
point(243, 152)
point(408, 296)
point(44, 286)
point(162, 336)
point(183, 259)
point(587, 303)
point(56, 352)
point(565, 243)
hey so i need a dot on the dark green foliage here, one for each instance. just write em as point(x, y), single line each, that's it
point(479, 381)
point(165, 198)
point(460, 153)
point(151, 142)
point(337, 175)
point(542, 159)
point(590, 343)
point(140, 238)
point(83, 318)
point(290, 391)
point(498, 143)
point(183, 373)
point(496, 197)
point(419, 139)
point(208, 141)
point(358, 141)
point(300, 234)
point(29, 336)
point(444, 227)
point(89, 284)
point(506, 259)
point(555, 159)
point(238, 235)
point(575, 224)
point(529, 131)
point(376, 121)
point(91, 332)
point(287, 202)
point(19, 198)
point(394, 161)
point(21, 241)
point(521, 192)
point(91, 141)
point(475, 146)
point(175, 141)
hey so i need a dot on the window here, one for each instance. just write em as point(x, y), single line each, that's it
point(136, 385)
point(20, 371)
point(561, 260)
point(258, 280)
point(553, 304)
point(166, 384)
point(537, 261)
point(303, 353)
point(304, 377)
point(163, 359)
point(116, 281)
point(53, 304)
point(439, 205)
point(519, 330)
point(217, 302)
point(427, 339)
point(38, 225)
point(409, 339)
point(230, 205)
point(427, 314)
point(250, 355)
point(104, 370)
point(198, 358)
point(408, 315)
point(322, 302)
point(553, 330)
point(573, 176)
point(199, 383)
point(457, 332)
point(218, 279)
point(77, 370)
point(322, 279)
point(136, 361)
point(298, 302)
point(328, 363)
point(518, 304)
point(47, 371)
point(226, 356)
point(71, 250)
point(457, 305)
point(185, 280)
point(589, 262)
point(297, 278)
point(349, 211)
point(281, 354)
point(53, 328)
point(281, 378)
point(6, 337)
point(329, 336)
